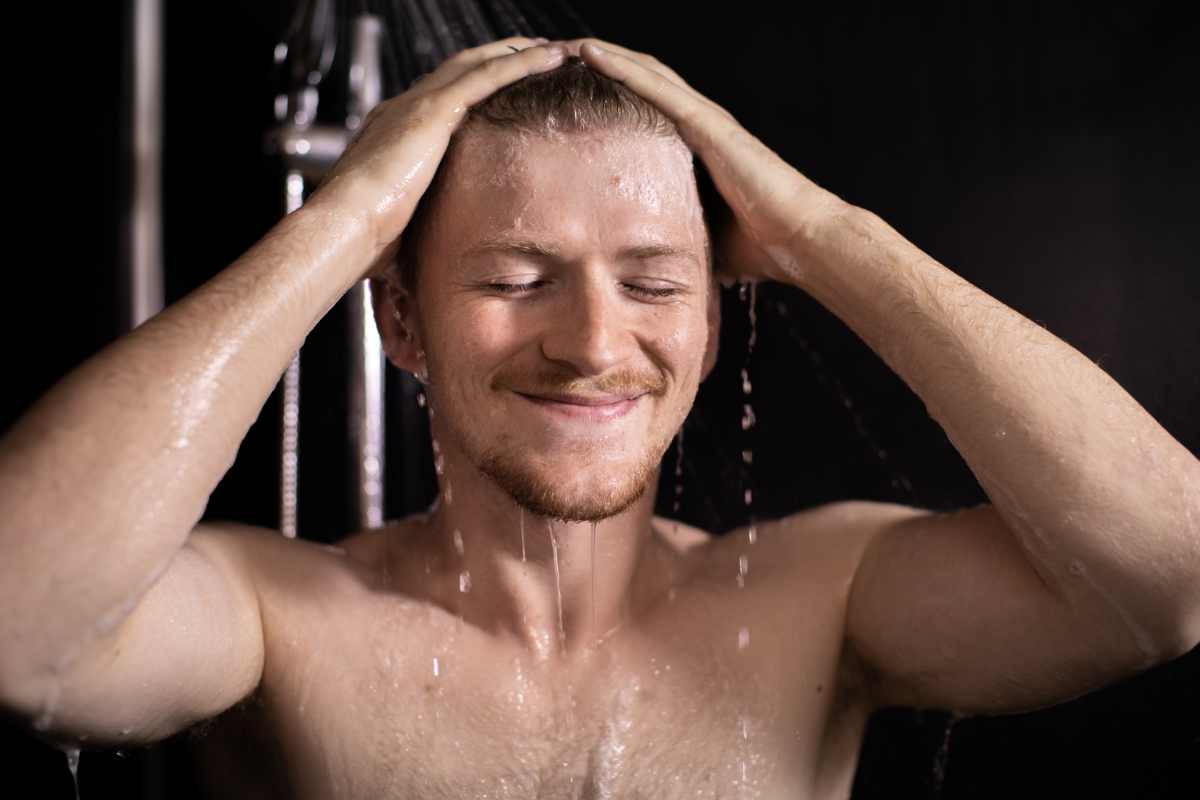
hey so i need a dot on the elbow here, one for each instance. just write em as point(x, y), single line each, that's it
point(1187, 636)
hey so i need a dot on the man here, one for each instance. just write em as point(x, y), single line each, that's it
point(557, 296)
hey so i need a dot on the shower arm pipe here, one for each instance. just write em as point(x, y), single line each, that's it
point(143, 232)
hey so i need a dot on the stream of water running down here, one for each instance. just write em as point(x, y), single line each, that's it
point(72, 754)
point(562, 629)
point(592, 599)
point(748, 293)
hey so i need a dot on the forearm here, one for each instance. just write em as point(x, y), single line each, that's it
point(1104, 501)
point(102, 480)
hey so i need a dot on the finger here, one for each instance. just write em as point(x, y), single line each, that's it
point(495, 73)
point(697, 117)
point(464, 61)
point(646, 60)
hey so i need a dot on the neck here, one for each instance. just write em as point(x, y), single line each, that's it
point(558, 587)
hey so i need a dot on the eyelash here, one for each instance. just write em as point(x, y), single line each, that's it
point(525, 288)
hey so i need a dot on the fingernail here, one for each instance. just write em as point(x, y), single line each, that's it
point(555, 52)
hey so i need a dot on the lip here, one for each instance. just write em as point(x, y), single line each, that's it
point(599, 409)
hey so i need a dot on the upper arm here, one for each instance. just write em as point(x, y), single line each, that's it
point(946, 611)
point(191, 648)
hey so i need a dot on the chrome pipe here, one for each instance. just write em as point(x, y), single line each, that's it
point(144, 231)
point(366, 349)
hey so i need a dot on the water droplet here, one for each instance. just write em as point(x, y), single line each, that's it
point(746, 388)
point(752, 534)
point(743, 638)
point(449, 492)
point(420, 399)
point(747, 456)
point(437, 668)
point(748, 418)
point(464, 581)
point(748, 497)
point(72, 754)
point(458, 541)
point(743, 564)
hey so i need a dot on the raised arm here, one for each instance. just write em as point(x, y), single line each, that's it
point(121, 620)
point(1086, 564)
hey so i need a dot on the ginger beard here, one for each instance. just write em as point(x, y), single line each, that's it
point(585, 488)
point(590, 200)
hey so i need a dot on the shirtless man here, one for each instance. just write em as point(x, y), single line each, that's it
point(563, 315)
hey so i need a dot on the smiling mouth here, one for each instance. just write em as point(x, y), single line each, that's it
point(598, 408)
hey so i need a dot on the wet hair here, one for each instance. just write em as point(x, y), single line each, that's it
point(570, 99)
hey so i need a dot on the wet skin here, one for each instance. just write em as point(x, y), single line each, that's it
point(669, 704)
point(571, 360)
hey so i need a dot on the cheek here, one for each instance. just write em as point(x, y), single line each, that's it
point(680, 337)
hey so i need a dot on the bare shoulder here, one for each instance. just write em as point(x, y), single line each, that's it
point(841, 529)
point(275, 563)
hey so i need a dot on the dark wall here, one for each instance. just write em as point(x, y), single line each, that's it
point(1045, 152)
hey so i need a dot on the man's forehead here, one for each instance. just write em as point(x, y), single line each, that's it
point(566, 184)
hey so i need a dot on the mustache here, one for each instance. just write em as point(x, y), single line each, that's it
point(555, 381)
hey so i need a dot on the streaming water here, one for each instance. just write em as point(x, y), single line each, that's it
point(748, 292)
point(72, 754)
point(522, 534)
point(592, 599)
point(678, 473)
point(942, 758)
point(562, 629)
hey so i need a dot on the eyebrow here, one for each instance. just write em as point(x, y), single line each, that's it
point(538, 250)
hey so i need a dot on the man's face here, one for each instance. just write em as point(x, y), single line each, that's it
point(565, 305)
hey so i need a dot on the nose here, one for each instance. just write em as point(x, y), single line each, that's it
point(589, 332)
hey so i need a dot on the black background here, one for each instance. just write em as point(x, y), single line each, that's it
point(1044, 151)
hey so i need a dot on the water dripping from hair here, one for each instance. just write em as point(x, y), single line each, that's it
point(748, 293)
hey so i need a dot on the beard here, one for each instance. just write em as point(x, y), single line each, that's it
point(583, 484)
point(554, 499)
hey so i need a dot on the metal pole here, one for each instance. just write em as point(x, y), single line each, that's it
point(367, 363)
point(145, 219)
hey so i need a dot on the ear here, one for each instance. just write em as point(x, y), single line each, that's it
point(712, 346)
point(396, 317)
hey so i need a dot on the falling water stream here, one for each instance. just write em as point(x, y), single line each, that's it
point(72, 754)
point(562, 630)
point(747, 292)
point(592, 599)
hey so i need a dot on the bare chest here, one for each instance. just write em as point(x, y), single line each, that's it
point(707, 702)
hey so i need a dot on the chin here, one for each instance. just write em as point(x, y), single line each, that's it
point(581, 498)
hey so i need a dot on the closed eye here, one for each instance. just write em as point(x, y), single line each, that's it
point(514, 288)
point(658, 292)
point(654, 292)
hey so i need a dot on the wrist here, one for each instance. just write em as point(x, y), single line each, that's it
point(806, 249)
